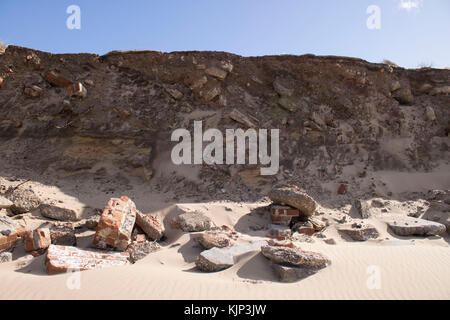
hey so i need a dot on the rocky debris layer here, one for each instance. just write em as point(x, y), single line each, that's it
point(61, 259)
point(10, 232)
point(23, 199)
point(116, 224)
point(193, 222)
point(139, 250)
point(359, 231)
point(60, 213)
point(37, 240)
point(403, 226)
point(217, 259)
point(150, 224)
point(295, 197)
point(216, 238)
point(5, 257)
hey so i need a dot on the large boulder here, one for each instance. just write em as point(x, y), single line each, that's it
point(405, 226)
point(62, 259)
point(217, 259)
point(295, 197)
point(193, 222)
point(116, 224)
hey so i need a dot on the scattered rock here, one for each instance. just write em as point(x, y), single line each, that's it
point(359, 231)
point(284, 87)
point(217, 259)
point(152, 227)
point(304, 228)
point(58, 80)
point(429, 113)
point(116, 224)
point(248, 121)
point(281, 243)
point(404, 96)
point(405, 226)
point(295, 197)
point(216, 73)
point(363, 208)
point(60, 213)
point(211, 93)
point(62, 259)
point(23, 199)
point(440, 90)
point(214, 238)
point(77, 90)
point(295, 257)
point(317, 224)
point(279, 232)
point(330, 241)
point(63, 234)
point(193, 222)
point(292, 274)
point(92, 222)
point(5, 257)
point(33, 91)
point(139, 250)
point(176, 94)
point(227, 66)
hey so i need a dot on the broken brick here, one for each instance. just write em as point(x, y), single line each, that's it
point(37, 239)
point(116, 224)
point(152, 227)
point(61, 259)
point(10, 232)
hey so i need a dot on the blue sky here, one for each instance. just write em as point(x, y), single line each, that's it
point(413, 32)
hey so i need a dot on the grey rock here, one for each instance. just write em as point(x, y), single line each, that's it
point(92, 222)
point(284, 87)
point(359, 231)
point(292, 274)
point(139, 250)
point(295, 197)
point(5, 257)
point(59, 213)
point(211, 239)
point(363, 208)
point(63, 233)
point(295, 257)
point(216, 73)
point(403, 96)
point(278, 231)
point(217, 259)
point(404, 226)
point(193, 222)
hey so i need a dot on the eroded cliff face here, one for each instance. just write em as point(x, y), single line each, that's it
point(340, 119)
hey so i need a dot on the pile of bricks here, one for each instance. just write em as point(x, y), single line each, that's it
point(282, 215)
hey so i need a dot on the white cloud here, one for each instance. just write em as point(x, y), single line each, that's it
point(409, 5)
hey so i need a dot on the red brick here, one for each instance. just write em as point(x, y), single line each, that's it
point(10, 232)
point(342, 189)
point(116, 224)
point(37, 239)
point(57, 80)
point(284, 210)
point(152, 227)
point(61, 259)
